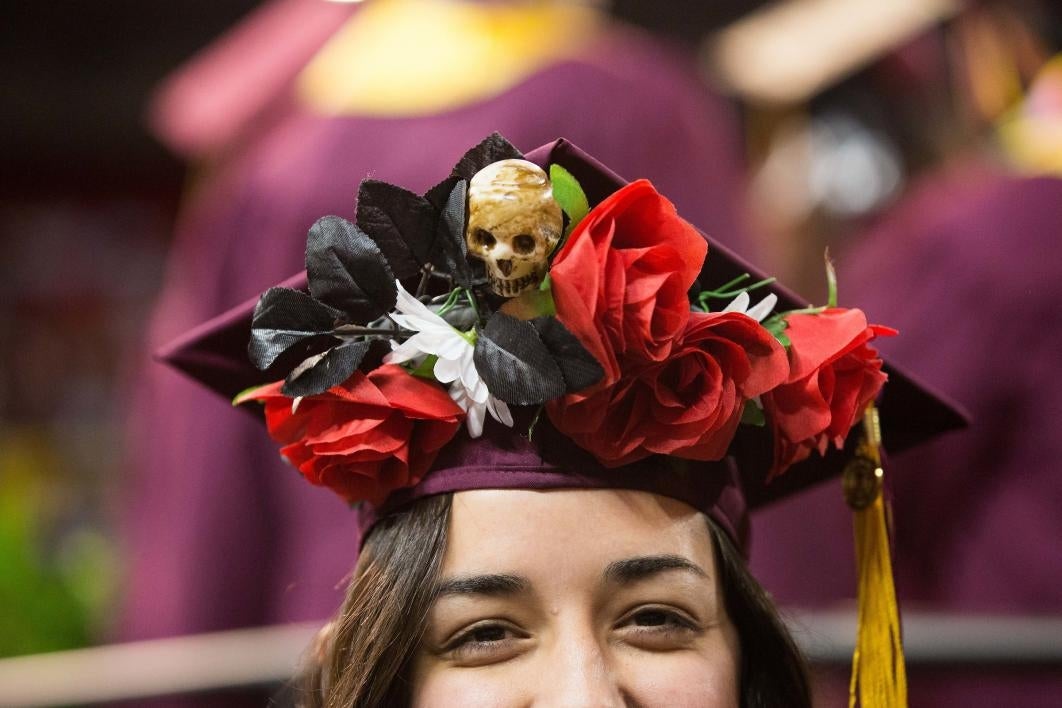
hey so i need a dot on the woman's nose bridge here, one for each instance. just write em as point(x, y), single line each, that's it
point(580, 672)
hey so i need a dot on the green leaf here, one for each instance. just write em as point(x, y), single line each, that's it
point(777, 325)
point(570, 195)
point(426, 368)
point(753, 415)
point(236, 399)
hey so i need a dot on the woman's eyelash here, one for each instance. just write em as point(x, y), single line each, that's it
point(480, 635)
point(658, 618)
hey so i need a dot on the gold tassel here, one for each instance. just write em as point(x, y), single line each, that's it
point(879, 679)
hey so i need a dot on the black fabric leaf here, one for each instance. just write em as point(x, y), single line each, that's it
point(438, 195)
point(515, 364)
point(400, 222)
point(450, 253)
point(578, 366)
point(346, 270)
point(492, 149)
point(378, 349)
point(283, 318)
point(332, 368)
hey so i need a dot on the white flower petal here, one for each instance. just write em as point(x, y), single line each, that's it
point(478, 391)
point(458, 395)
point(401, 353)
point(447, 370)
point(409, 305)
point(470, 377)
point(414, 314)
point(405, 321)
point(449, 347)
point(764, 308)
point(474, 420)
point(499, 410)
point(738, 304)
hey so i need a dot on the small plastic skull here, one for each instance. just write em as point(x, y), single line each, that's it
point(513, 224)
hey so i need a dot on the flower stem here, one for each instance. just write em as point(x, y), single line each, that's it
point(806, 311)
point(425, 278)
point(451, 301)
point(534, 422)
point(831, 281)
point(472, 303)
point(726, 293)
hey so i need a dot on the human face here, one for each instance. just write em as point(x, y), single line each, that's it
point(577, 598)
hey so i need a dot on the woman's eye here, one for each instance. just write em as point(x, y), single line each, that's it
point(653, 618)
point(490, 633)
point(484, 644)
point(657, 628)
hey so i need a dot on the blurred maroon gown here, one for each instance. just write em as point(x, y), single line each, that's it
point(968, 269)
point(222, 533)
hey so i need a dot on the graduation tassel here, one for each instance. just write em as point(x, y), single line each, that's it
point(879, 679)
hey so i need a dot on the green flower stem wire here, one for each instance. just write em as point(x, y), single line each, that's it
point(534, 422)
point(730, 290)
point(831, 281)
point(472, 303)
point(451, 301)
point(740, 279)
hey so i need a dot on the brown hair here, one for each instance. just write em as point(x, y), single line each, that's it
point(362, 658)
point(773, 671)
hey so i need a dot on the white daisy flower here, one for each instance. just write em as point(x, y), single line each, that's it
point(454, 365)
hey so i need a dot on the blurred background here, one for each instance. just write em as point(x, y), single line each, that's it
point(162, 162)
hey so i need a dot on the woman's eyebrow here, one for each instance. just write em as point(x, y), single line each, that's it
point(631, 570)
point(491, 585)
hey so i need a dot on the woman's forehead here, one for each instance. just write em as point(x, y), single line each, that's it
point(529, 530)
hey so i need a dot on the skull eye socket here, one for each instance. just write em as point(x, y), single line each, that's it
point(523, 244)
point(484, 238)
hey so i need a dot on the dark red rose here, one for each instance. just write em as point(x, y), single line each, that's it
point(620, 282)
point(833, 375)
point(366, 437)
point(687, 406)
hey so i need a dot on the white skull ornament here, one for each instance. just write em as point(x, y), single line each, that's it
point(513, 224)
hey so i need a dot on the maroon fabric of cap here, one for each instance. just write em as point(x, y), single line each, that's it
point(215, 354)
point(502, 459)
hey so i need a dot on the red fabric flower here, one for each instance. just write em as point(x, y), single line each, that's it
point(833, 376)
point(366, 437)
point(620, 282)
point(688, 405)
point(675, 382)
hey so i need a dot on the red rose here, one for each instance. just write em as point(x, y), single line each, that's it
point(688, 405)
point(366, 437)
point(833, 376)
point(620, 282)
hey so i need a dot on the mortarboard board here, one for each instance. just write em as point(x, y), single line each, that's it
point(215, 353)
point(521, 379)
